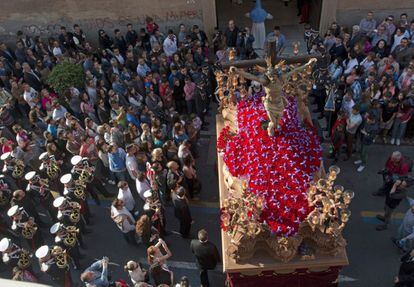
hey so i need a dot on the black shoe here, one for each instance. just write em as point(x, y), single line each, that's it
point(320, 117)
point(380, 217)
point(381, 227)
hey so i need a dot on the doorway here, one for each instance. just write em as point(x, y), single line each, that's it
point(285, 15)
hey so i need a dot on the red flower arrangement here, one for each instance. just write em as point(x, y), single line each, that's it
point(224, 137)
point(278, 168)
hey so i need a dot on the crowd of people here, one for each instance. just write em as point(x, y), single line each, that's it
point(133, 126)
point(365, 87)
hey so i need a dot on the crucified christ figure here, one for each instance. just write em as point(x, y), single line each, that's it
point(274, 102)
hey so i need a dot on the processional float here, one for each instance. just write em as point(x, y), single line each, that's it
point(281, 214)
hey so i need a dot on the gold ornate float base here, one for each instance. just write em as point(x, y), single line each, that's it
point(263, 253)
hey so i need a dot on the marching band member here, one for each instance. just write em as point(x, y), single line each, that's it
point(75, 190)
point(52, 168)
point(26, 200)
point(55, 262)
point(15, 256)
point(23, 223)
point(84, 171)
point(69, 213)
point(13, 167)
point(67, 238)
point(5, 195)
point(40, 187)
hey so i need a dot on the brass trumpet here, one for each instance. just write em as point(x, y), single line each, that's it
point(70, 238)
point(18, 168)
point(75, 212)
point(24, 259)
point(79, 189)
point(60, 257)
point(52, 168)
point(29, 229)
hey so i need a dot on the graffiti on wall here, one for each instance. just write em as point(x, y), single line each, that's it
point(166, 20)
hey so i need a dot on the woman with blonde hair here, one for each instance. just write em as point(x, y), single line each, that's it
point(154, 254)
point(136, 272)
point(157, 155)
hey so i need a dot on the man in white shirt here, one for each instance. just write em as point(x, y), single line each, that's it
point(30, 96)
point(142, 184)
point(57, 51)
point(131, 161)
point(350, 64)
point(352, 123)
point(347, 104)
point(124, 194)
point(58, 111)
point(170, 44)
point(119, 57)
point(184, 150)
point(124, 220)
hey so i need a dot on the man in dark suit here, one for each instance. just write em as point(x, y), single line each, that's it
point(405, 276)
point(31, 77)
point(200, 35)
point(206, 254)
point(8, 55)
point(182, 211)
point(119, 41)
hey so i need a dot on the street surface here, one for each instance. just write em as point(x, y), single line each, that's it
point(374, 260)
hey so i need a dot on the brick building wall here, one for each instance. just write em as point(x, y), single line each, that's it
point(44, 17)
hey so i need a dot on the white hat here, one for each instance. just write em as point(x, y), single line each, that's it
point(5, 244)
point(55, 228)
point(148, 193)
point(75, 159)
point(5, 155)
point(30, 175)
point(410, 201)
point(146, 206)
point(43, 156)
point(13, 210)
point(59, 201)
point(42, 251)
point(256, 84)
point(66, 178)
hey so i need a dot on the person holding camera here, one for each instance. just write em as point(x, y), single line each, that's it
point(244, 44)
point(97, 274)
point(396, 165)
point(393, 198)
